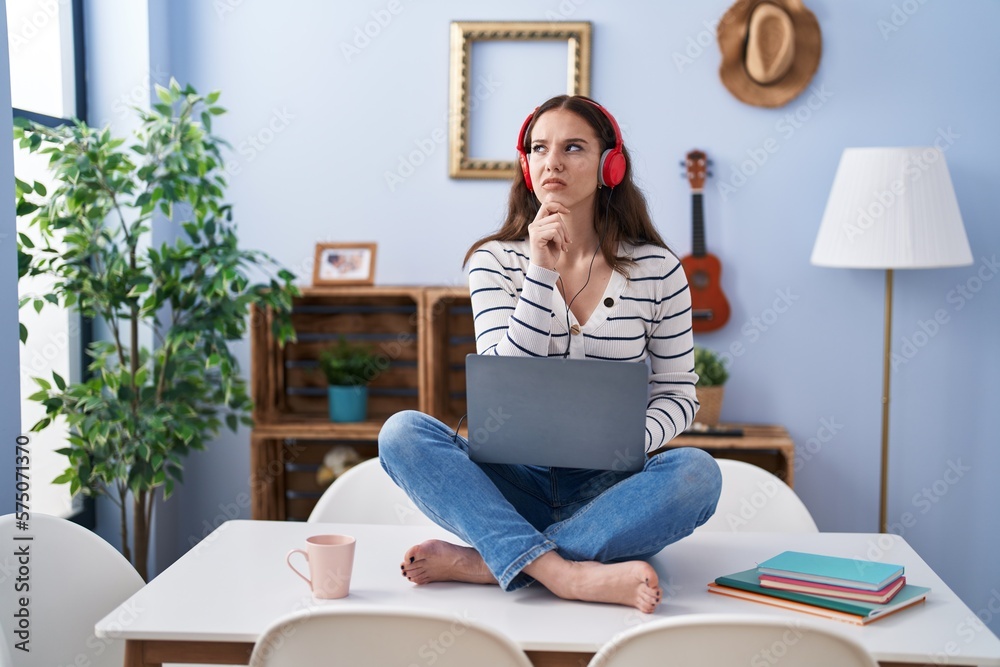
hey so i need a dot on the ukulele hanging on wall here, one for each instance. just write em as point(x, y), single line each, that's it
point(709, 307)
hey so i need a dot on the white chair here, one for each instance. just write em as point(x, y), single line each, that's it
point(366, 494)
point(332, 636)
point(754, 500)
point(74, 579)
point(728, 640)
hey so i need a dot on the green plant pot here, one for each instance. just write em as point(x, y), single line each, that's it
point(348, 404)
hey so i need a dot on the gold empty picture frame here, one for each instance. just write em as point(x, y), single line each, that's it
point(463, 35)
point(344, 264)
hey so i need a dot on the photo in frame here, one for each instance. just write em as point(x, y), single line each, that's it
point(569, 72)
point(344, 264)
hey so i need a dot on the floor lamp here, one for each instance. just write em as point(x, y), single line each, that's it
point(891, 208)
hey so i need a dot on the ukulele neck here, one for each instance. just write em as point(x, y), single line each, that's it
point(698, 225)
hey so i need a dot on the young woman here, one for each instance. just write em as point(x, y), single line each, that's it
point(577, 270)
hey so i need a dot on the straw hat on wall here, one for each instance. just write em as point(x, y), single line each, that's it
point(770, 50)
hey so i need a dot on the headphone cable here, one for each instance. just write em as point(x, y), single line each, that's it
point(600, 243)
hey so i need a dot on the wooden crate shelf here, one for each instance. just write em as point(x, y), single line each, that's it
point(319, 428)
point(765, 445)
point(423, 335)
point(283, 482)
point(450, 337)
point(292, 431)
point(287, 381)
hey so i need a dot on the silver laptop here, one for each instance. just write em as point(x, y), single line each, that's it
point(567, 413)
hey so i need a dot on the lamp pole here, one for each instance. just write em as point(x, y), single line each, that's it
point(887, 354)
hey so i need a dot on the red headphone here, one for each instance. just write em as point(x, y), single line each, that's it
point(611, 170)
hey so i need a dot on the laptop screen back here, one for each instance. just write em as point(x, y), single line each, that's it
point(568, 413)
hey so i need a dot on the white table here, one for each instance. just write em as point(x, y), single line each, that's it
point(213, 603)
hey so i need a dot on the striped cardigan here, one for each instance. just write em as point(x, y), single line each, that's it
point(647, 316)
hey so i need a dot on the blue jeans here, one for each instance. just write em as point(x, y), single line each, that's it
point(512, 514)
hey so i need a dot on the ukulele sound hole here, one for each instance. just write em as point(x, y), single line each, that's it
point(700, 280)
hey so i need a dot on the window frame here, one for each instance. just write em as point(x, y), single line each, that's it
point(87, 516)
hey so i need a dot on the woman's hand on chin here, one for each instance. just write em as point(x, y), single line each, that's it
point(548, 234)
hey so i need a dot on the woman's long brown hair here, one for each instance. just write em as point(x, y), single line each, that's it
point(620, 213)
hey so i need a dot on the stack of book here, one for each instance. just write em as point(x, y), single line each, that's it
point(846, 589)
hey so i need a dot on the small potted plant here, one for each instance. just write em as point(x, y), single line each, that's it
point(348, 368)
point(712, 375)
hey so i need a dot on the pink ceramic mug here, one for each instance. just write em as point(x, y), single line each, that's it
point(331, 559)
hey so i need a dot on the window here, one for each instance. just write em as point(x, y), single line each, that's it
point(45, 38)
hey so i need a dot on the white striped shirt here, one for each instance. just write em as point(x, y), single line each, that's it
point(519, 312)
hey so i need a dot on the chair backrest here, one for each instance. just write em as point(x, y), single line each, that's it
point(366, 494)
point(333, 636)
point(73, 579)
point(754, 500)
point(727, 640)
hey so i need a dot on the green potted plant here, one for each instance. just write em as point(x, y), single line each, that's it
point(163, 381)
point(348, 368)
point(712, 376)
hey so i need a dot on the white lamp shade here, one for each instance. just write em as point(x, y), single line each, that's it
point(892, 208)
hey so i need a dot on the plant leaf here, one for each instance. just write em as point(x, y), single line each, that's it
point(24, 207)
point(164, 94)
point(64, 478)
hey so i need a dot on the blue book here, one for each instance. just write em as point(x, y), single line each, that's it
point(850, 572)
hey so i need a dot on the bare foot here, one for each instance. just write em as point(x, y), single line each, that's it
point(634, 583)
point(435, 560)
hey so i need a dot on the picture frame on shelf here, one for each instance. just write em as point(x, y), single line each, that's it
point(339, 264)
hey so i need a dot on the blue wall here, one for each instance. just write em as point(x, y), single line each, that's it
point(315, 132)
